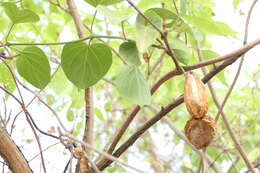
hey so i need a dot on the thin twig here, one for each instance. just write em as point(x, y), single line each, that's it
point(94, 166)
point(108, 156)
point(44, 150)
point(169, 50)
point(9, 32)
point(28, 104)
point(146, 18)
point(93, 20)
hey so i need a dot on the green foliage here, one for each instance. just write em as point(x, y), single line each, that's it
point(6, 78)
point(132, 86)
point(181, 50)
point(59, 82)
point(19, 15)
point(210, 26)
point(236, 3)
point(129, 52)
point(85, 65)
point(168, 16)
point(70, 114)
point(115, 17)
point(34, 66)
point(98, 114)
point(145, 33)
point(102, 2)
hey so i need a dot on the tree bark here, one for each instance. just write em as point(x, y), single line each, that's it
point(11, 154)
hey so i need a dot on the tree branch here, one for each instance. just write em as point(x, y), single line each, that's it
point(163, 34)
point(89, 122)
point(11, 154)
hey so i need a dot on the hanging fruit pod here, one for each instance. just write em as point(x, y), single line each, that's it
point(195, 96)
point(200, 132)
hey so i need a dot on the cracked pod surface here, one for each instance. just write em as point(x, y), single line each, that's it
point(200, 132)
point(195, 96)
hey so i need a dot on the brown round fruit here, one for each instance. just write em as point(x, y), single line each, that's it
point(200, 132)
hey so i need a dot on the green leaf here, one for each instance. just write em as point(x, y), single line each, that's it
point(34, 67)
point(209, 54)
point(85, 65)
point(76, 96)
point(59, 83)
point(183, 4)
point(145, 33)
point(181, 50)
point(222, 78)
point(79, 126)
point(115, 16)
point(6, 78)
point(129, 52)
point(236, 3)
point(210, 26)
point(169, 17)
point(132, 86)
point(182, 56)
point(98, 114)
point(102, 2)
point(70, 114)
point(19, 15)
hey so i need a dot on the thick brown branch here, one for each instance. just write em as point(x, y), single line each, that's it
point(11, 154)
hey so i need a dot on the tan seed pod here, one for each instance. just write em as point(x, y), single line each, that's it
point(200, 132)
point(195, 96)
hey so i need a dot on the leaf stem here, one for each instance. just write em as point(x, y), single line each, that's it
point(67, 42)
point(9, 32)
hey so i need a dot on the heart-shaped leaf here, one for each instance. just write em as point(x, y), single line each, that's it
point(145, 33)
point(34, 67)
point(85, 65)
point(19, 15)
point(132, 86)
point(181, 50)
point(129, 52)
point(169, 17)
point(102, 2)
